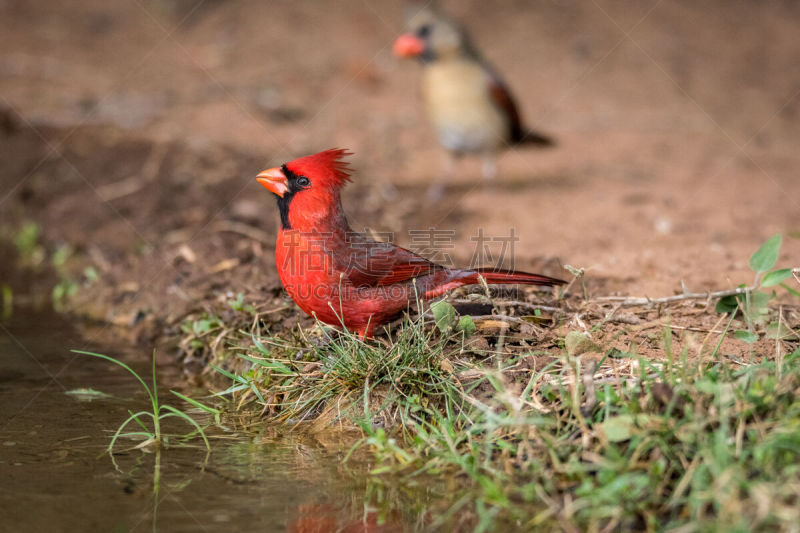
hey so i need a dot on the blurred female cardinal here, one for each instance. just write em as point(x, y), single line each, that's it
point(345, 278)
point(470, 106)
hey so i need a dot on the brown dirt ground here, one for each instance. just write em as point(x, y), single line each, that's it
point(134, 130)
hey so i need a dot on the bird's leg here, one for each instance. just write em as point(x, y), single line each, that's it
point(450, 163)
point(489, 166)
point(436, 190)
point(366, 333)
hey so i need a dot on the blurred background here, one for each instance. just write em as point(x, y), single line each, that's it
point(132, 131)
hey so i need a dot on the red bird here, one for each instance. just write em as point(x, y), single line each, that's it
point(345, 278)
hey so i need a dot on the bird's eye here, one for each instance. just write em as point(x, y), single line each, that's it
point(303, 181)
point(424, 31)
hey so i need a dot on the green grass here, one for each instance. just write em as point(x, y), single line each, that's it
point(149, 421)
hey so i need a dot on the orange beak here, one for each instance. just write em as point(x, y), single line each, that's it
point(274, 180)
point(408, 45)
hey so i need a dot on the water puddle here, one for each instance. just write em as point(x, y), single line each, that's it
point(56, 476)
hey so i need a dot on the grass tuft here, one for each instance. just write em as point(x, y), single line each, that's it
point(151, 432)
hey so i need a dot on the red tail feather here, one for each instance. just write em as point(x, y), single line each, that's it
point(513, 276)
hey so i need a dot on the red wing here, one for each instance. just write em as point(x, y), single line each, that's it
point(502, 98)
point(375, 264)
point(406, 266)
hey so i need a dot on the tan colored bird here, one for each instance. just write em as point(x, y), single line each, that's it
point(469, 104)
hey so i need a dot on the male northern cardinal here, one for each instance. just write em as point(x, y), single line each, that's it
point(470, 106)
point(346, 278)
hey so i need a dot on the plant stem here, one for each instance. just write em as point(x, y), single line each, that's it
point(626, 301)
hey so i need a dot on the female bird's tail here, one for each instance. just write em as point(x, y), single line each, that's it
point(536, 138)
point(492, 275)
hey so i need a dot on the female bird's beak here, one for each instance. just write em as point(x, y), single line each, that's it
point(408, 45)
point(274, 180)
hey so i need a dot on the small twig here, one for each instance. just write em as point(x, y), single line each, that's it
point(121, 188)
point(500, 317)
point(514, 303)
point(243, 229)
point(133, 184)
point(588, 384)
point(626, 301)
point(610, 314)
point(631, 320)
point(486, 290)
point(778, 351)
point(693, 328)
point(685, 480)
point(578, 274)
point(786, 324)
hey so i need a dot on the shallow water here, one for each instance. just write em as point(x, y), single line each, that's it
point(56, 475)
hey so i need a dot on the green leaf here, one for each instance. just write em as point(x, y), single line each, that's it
point(727, 304)
point(444, 314)
point(61, 255)
point(777, 330)
point(8, 301)
point(765, 257)
point(238, 303)
point(134, 416)
point(747, 336)
point(274, 365)
point(27, 238)
point(616, 353)
point(577, 343)
point(775, 277)
point(91, 275)
point(791, 290)
point(197, 404)
point(758, 306)
point(467, 325)
point(87, 394)
point(188, 419)
point(259, 346)
point(123, 365)
point(234, 377)
point(618, 428)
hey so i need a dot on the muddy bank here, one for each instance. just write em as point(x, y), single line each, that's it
point(164, 229)
point(136, 131)
point(141, 234)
